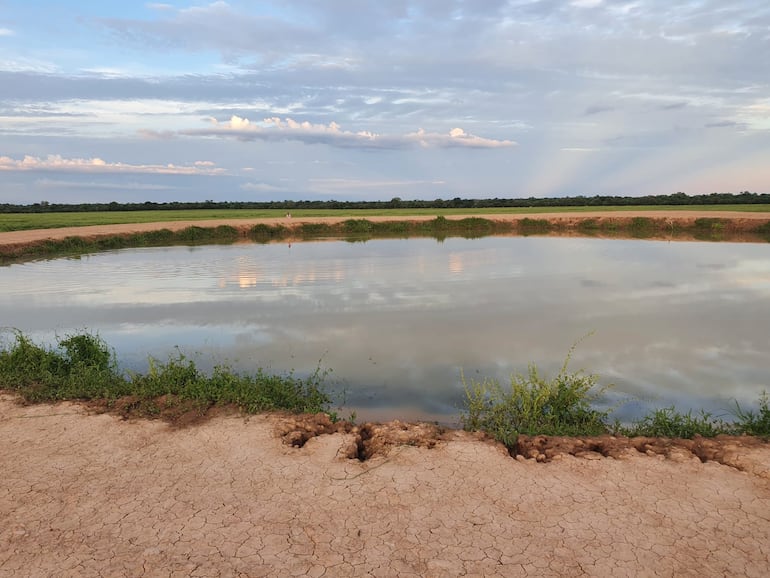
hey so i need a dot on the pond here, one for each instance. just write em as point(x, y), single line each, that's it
point(399, 321)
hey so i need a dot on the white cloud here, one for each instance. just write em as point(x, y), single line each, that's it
point(276, 129)
point(456, 137)
point(96, 165)
point(586, 3)
point(6, 32)
point(755, 115)
point(260, 188)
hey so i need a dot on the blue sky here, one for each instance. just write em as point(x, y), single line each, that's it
point(359, 99)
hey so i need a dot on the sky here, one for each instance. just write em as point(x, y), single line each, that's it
point(106, 101)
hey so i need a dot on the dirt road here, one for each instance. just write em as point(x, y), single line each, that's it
point(91, 495)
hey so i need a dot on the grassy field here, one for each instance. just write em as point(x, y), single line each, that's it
point(24, 221)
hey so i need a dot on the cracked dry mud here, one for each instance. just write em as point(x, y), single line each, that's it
point(92, 495)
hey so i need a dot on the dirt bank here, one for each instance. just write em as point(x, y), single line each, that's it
point(738, 222)
point(91, 495)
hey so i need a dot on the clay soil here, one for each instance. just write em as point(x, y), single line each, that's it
point(86, 494)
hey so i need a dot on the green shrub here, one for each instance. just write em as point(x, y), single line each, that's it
point(357, 226)
point(535, 405)
point(315, 229)
point(528, 226)
point(642, 227)
point(710, 224)
point(263, 233)
point(588, 225)
point(79, 367)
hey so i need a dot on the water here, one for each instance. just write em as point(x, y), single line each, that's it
point(399, 320)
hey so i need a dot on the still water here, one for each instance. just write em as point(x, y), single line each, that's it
point(399, 320)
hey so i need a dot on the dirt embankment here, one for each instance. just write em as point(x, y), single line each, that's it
point(673, 225)
point(94, 495)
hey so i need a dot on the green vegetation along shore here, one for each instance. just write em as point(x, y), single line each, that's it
point(82, 367)
point(440, 227)
point(566, 405)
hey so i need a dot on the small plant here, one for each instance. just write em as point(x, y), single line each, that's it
point(316, 229)
point(669, 423)
point(529, 226)
point(755, 423)
point(357, 227)
point(641, 227)
point(262, 233)
point(709, 224)
point(535, 405)
point(588, 226)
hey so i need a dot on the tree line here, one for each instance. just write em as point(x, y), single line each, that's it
point(745, 197)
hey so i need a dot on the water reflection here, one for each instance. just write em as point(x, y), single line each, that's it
point(397, 320)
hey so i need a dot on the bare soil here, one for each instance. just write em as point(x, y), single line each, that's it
point(86, 494)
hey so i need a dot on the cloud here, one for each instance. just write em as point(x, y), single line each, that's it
point(6, 32)
point(275, 129)
point(338, 183)
point(722, 124)
point(216, 26)
point(58, 163)
point(673, 106)
point(597, 109)
point(79, 185)
point(261, 188)
point(586, 3)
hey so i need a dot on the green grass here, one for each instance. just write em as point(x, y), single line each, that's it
point(756, 423)
point(24, 221)
point(670, 423)
point(83, 367)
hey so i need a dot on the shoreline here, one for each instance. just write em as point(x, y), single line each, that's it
point(373, 439)
point(732, 226)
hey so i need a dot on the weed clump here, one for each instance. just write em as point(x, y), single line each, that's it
point(262, 233)
point(82, 367)
point(308, 230)
point(535, 405)
point(528, 226)
point(756, 423)
point(670, 423)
